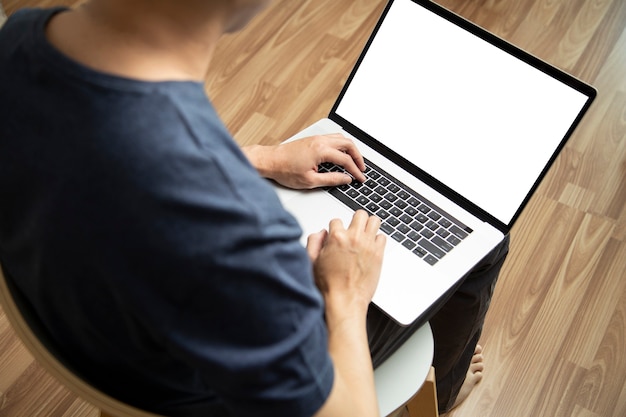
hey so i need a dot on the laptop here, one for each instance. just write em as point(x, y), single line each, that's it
point(463, 125)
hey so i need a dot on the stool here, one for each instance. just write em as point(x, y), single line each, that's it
point(407, 379)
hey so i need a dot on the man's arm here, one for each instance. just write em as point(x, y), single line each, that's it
point(346, 262)
point(294, 164)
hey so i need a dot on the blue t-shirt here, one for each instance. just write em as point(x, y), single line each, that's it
point(160, 261)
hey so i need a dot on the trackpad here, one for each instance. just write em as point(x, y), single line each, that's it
point(315, 209)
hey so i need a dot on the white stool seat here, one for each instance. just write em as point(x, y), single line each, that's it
point(401, 376)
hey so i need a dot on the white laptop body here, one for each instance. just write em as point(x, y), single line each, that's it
point(466, 120)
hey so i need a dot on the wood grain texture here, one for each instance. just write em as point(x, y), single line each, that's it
point(555, 337)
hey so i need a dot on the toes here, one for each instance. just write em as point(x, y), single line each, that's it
point(478, 376)
point(477, 367)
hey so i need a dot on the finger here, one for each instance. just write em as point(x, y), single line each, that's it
point(346, 161)
point(344, 152)
point(373, 225)
point(335, 225)
point(354, 152)
point(355, 171)
point(381, 241)
point(359, 220)
point(329, 179)
point(335, 135)
point(314, 244)
point(348, 146)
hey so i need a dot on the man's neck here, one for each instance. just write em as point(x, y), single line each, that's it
point(146, 40)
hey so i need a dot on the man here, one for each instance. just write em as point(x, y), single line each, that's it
point(159, 259)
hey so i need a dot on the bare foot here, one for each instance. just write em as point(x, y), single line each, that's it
point(474, 376)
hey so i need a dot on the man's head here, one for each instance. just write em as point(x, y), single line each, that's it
point(149, 39)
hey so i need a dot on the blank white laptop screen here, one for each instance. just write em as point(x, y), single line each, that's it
point(469, 114)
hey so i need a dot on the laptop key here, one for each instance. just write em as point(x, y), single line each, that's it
point(434, 215)
point(381, 190)
point(386, 204)
point(409, 244)
point(445, 223)
point(395, 211)
point(431, 259)
point(413, 235)
point(403, 195)
point(352, 193)
point(401, 204)
point(416, 225)
point(372, 208)
point(406, 218)
point(377, 199)
point(411, 211)
point(373, 174)
point(442, 243)
point(403, 228)
point(432, 225)
point(387, 228)
point(421, 218)
point(362, 200)
point(393, 221)
point(431, 248)
point(458, 232)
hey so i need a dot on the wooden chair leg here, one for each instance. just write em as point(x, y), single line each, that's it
point(424, 404)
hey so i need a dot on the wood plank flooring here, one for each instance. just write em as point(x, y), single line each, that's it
point(555, 337)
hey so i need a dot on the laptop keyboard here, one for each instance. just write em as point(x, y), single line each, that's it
point(407, 217)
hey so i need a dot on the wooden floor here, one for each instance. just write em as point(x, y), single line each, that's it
point(555, 337)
